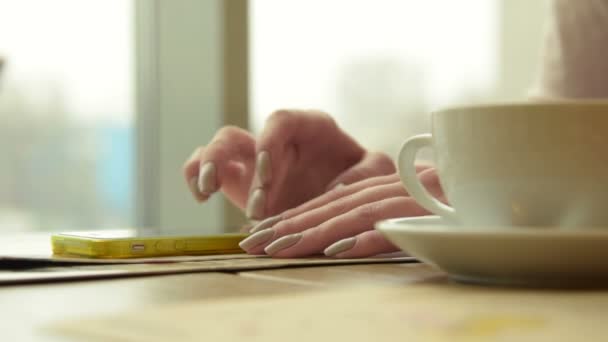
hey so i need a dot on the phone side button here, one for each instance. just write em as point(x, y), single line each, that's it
point(138, 247)
point(180, 245)
point(164, 246)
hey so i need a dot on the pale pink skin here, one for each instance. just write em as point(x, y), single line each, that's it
point(310, 155)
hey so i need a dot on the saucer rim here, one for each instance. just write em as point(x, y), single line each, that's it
point(400, 225)
point(525, 257)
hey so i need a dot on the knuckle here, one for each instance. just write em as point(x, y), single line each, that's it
point(185, 167)
point(217, 149)
point(228, 132)
point(324, 117)
point(336, 190)
point(199, 151)
point(362, 173)
point(430, 180)
point(338, 207)
point(368, 213)
point(194, 158)
point(382, 158)
point(359, 174)
point(288, 114)
point(285, 227)
point(282, 121)
point(383, 162)
point(322, 114)
point(281, 115)
point(325, 229)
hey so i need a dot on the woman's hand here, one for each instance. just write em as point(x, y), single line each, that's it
point(341, 222)
point(298, 156)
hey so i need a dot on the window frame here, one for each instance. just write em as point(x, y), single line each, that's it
point(191, 63)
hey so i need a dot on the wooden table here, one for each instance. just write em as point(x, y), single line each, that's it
point(27, 309)
point(425, 295)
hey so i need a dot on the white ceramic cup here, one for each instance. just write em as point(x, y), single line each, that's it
point(519, 164)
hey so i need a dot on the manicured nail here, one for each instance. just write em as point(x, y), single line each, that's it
point(206, 180)
point(282, 243)
point(340, 246)
point(257, 239)
point(263, 168)
point(255, 204)
point(267, 223)
point(193, 184)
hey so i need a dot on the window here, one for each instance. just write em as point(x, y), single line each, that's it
point(380, 66)
point(67, 99)
point(66, 103)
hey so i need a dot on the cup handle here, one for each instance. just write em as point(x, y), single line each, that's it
point(407, 172)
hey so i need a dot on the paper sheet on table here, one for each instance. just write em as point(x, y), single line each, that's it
point(27, 251)
point(28, 259)
point(412, 313)
point(227, 263)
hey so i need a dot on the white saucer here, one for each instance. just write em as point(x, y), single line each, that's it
point(507, 256)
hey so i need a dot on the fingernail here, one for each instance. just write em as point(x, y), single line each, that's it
point(257, 239)
point(263, 167)
point(340, 246)
point(255, 205)
point(282, 243)
point(206, 180)
point(338, 186)
point(267, 223)
point(195, 191)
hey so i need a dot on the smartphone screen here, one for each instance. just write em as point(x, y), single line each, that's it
point(126, 234)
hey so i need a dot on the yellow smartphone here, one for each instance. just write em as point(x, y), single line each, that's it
point(119, 244)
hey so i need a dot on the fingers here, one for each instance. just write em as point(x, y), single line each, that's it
point(430, 180)
point(274, 144)
point(428, 177)
point(293, 138)
point(226, 162)
point(333, 222)
point(325, 199)
point(295, 127)
point(316, 240)
point(191, 171)
point(280, 240)
point(256, 243)
point(366, 244)
point(343, 205)
point(340, 192)
point(373, 164)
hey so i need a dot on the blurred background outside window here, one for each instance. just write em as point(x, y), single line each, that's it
point(66, 105)
point(68, 85)
point(380, 66)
